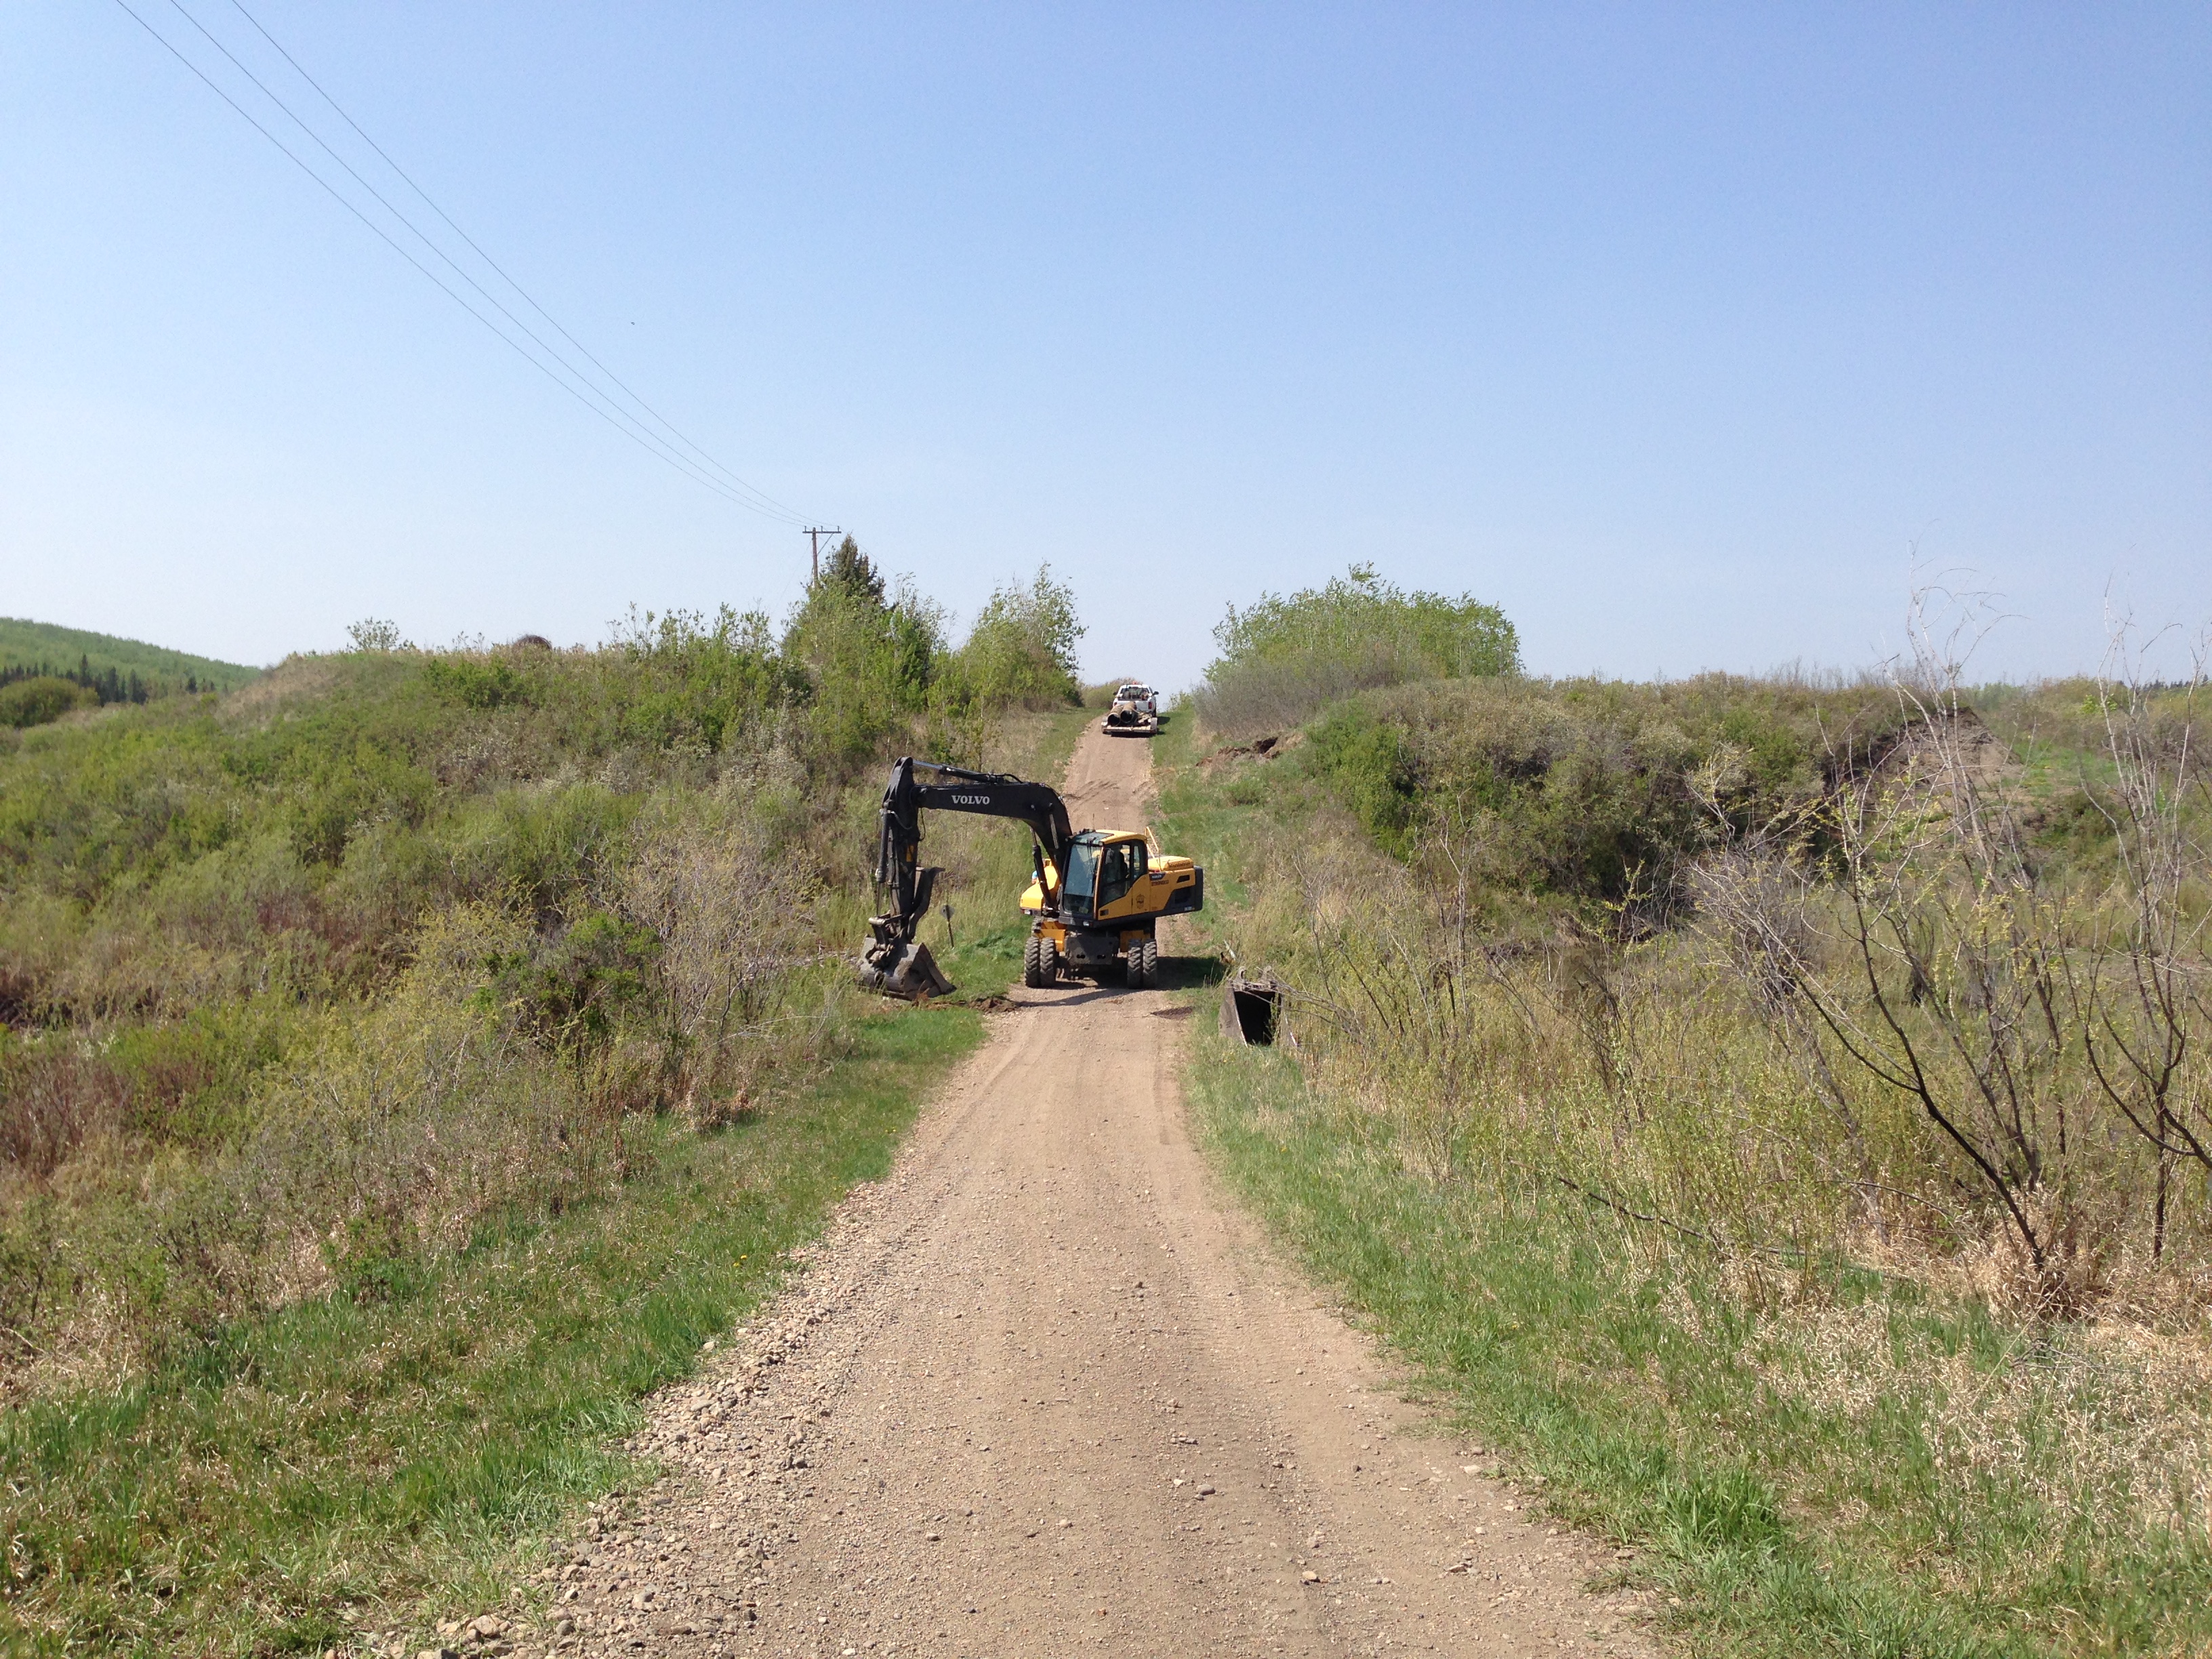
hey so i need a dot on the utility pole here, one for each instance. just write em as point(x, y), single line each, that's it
point(814, 533)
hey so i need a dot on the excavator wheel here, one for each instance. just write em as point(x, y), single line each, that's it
point(1144, 964)
point(1033, 973)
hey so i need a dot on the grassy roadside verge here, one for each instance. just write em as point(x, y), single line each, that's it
point(1844, 1463)
point(369, 1461)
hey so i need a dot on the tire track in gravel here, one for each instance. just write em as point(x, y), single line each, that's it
point(1043, 1392)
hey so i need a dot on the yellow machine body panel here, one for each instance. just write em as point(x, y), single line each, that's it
point(1152, 892)
point(1033, 895)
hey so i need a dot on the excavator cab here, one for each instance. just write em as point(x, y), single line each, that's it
point(1113, 876)
point(1098, 872)
point(1101, 869)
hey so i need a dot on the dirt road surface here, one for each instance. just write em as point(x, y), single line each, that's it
point(1044, 1392)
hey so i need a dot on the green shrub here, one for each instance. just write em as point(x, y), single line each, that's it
point(389, 941)
point(1283, 659)
point(1371, 765)
point(539, 848)
point(569, 989)
point(1021, 652)
point(339, 793)
point(492, 683)
point(194, 1077)
point(1587, 791)
point(704, 686)
point(868, 655)
point(43, 700)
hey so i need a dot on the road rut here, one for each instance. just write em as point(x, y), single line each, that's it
point(1043, 1391)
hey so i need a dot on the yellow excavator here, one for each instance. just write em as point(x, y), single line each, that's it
point(1095, 902)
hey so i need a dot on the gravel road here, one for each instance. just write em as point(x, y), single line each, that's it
point(1043, 1391)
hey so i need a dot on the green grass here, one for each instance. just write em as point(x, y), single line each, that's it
point(1642, 1403)
point(386, 1458)
point(1218, 824)
point(27, 644)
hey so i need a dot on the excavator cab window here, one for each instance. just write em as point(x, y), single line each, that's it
point(1119, 868)
point(1082, 871)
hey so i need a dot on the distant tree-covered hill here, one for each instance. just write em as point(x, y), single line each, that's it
point(118, 669)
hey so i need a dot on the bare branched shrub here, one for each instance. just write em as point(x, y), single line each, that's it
point(1597, 1061)
point(2139, 991)
point(1951, 956)
point(52, 1100)
point(1754, 899)
point(733, 916)
point(1876, 1007)
point(1903, 931)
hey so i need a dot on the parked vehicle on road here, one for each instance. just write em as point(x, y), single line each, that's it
point(1135, 711)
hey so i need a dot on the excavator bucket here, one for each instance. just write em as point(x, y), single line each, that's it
point(896, 962)
point(903, 969)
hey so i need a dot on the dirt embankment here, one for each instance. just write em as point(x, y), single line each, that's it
point(1041, 1392)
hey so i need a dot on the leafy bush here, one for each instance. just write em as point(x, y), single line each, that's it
point(1021, 652)
point(1585, 791)
point(869, 654)
point(491, 682)
point(42, 700)
point(1282, 659)
point(1371, 765)
point(704, 687)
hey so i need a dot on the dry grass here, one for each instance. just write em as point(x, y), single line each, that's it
point(1791, 1000)
point(2109, 1426)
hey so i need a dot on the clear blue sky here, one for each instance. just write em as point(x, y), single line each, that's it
point(1672, 329)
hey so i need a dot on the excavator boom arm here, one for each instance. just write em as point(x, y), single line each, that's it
point(952, 789)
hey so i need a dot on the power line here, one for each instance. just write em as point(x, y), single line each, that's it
point(666, 425)
point(603, 407)
point(381, 200)
point(591, 396)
